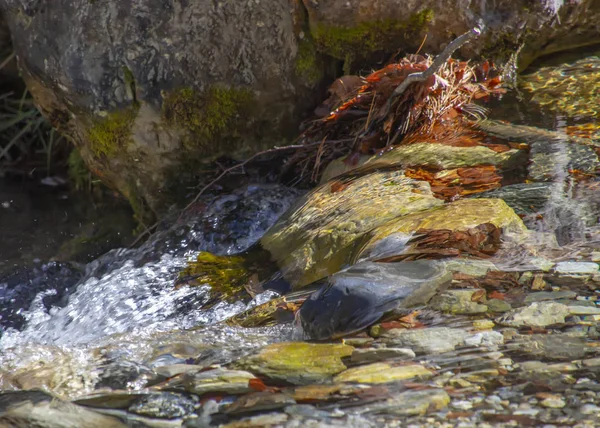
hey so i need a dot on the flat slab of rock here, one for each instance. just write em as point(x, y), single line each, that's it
point(434, 340)
point(383, 373)
point(458, 302)
point(314, 239)
point(537, 314)
point(298, 363)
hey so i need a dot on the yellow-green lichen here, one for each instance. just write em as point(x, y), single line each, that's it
point(308, 63)
point(226, 275)
point(109, 135)
point(360, 41)
point(209, 115)
point(129, 79)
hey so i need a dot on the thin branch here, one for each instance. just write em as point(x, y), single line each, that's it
point(439, 60)
point(151, 228)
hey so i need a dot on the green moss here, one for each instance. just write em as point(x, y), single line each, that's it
point(359, 42)
point(113, 133)
point(308, 64)
point(206, 116)
point(225, 274)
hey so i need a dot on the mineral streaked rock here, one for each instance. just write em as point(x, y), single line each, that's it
point(458, 302)
point(315, 238)
point(298, 363)
point(441, 156)
point(382, 373)
point(460, 215)
point(433, 340)
point(538, 314)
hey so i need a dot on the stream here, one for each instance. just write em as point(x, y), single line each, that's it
point(116, 337)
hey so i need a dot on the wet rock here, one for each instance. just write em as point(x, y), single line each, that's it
point(538, 314)
point(497, 305)
point(566, 89)
point(576, 309)
point(485, 338)
point(576, 268)
point(563, 346)
point(523, 198)
point(216, 380)
point(359, 296)
point(383, 373)
point(458, 302)
point(315, 238)
point(176, 369)
point(554, 402)
point(268, 420)
point(441, 156)
point(460, 215)
point(433, 340)
point(471, 267)
point(549, 295)
point(543, 160)
point(38, 409)
point(259, 401)
point(297, 362)
point(411, 403)
point(164, 406)
point(362, 356)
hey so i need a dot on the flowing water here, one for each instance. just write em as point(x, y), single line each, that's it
point(110, 324)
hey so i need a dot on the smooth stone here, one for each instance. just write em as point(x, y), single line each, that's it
point(176, 369)
point(413, 403)
point(259, 401)
point(316, 237)
point(483, 324)
point(373, 355)
point(359, 296)
point(553, 403)
point(591, 362)
point(442, 156)
point(576, 309)
point(298, 363)
point(589, 409)
point(459, 215)
point(433, 340)
point(469, 267)
point(41, 410)
point(217, 380)
point(537, 314)
point(458, 302)
point(497, 305)
point(383, 373)
point(543, 158)
point(580, 268)
point(268, 420)
point(164, 406)
point(524, 198)
point(485, 338)
point(541, 296)
point(562, 346)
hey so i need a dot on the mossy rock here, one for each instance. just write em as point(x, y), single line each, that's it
point(111, 134)
point(316, 236)
point(298, 363)
point(226, 275)
point(457, 216)
point(206, 116)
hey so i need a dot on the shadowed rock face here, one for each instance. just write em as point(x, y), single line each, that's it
point(148, 89)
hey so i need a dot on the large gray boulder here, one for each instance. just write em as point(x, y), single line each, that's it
point(149, 89)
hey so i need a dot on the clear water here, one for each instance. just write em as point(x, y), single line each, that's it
point(125, 315)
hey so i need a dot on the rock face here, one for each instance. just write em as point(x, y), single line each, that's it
point(148, 90)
